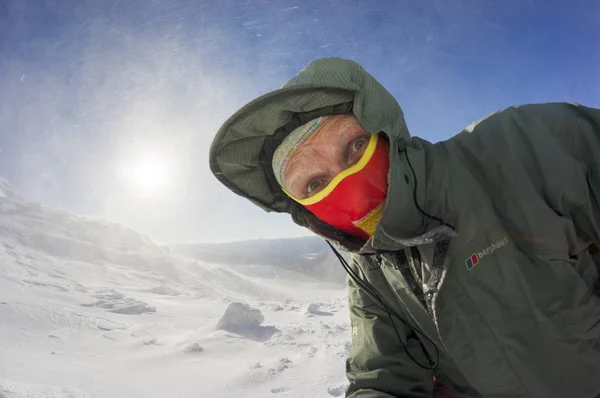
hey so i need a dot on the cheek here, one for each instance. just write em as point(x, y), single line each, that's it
point(295, 186)
point(297, 192)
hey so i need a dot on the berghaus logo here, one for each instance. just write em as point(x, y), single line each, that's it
point(476, 257)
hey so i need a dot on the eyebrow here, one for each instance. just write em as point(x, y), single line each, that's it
point(343, 157)
point(295, 176)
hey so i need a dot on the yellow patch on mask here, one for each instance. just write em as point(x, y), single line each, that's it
point(369, 222)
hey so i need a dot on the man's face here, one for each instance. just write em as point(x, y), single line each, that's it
point(337, 145)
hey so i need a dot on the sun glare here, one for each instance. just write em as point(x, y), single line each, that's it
point(146, 175)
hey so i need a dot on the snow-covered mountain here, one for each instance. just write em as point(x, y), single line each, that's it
point(310, 256)
point(89, 308)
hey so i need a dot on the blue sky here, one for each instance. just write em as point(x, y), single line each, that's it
point(87, 86)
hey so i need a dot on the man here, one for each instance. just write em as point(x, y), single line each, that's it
point(471, 257)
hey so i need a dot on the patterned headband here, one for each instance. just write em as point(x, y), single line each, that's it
point(290, 145)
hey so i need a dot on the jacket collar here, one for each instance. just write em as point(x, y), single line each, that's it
point(402, 223)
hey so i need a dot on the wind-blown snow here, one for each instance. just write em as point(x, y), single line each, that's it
point(309, 256)
point(6, 191)
point(91, 309)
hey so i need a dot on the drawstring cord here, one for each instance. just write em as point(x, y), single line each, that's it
point(364, 285)
point(402, 145)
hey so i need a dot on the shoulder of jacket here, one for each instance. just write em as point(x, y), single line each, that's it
point(546, 108)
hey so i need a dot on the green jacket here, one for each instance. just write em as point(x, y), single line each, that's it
point(506, 294)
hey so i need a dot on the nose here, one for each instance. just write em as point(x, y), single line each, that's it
point(335, 168)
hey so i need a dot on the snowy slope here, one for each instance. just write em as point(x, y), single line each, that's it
point(310, 256)
point(91, 309)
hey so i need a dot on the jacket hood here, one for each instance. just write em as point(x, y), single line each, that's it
point(242, 150)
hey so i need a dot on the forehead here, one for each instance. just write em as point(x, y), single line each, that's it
point(336, 129)
point(325, 144)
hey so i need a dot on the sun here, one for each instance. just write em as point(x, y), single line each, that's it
point(146, 175)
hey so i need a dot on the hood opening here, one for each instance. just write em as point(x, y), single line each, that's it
point(301, 215)
point(241, 152)
point(282, 203)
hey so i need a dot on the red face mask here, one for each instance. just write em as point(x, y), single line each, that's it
point(353, 201)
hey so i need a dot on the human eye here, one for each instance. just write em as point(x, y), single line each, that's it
point(313, 187)
point(357, 148)
point(359, 143)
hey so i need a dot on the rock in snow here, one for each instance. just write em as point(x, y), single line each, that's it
point(337, 391)
point(312, 308)
point(241, 319)
point(193, 347)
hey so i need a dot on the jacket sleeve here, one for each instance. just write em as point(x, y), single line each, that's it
point(570, 159)
point(553, 153)
point(378, 366)
point(582, 130)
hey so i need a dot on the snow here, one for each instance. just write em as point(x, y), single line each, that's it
point(18, 390)
point(313, 309)
point(6, 191)
point(89, 308)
